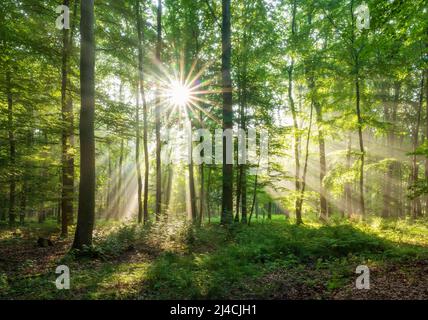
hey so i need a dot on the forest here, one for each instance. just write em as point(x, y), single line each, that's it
point(213, 149)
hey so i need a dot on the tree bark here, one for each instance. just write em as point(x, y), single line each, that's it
point(142, 207)
point(323, 165)
point(67, 194)
point(193, 213)
point(137, 159)
point(12, 149)
point(86, 212)
point(295, 124)
point(416, 202)
point(305, 168)
point(356, 66)
point(426, 136)
point(157, 114)
point(227, 198)
point(141, 30)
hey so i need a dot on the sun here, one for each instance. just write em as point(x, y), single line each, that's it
point(179, 94)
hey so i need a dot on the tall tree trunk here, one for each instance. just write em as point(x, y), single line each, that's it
point(238, 192)
point(426, 136)
point(67, 194)
point(244, 195)
point(168, 188)
point(305, 168)
point(137, 159)
point(157, 113)
point(23, 204)
point(12, 149)
point(192, 190)
point(201, 194)
point(254, 201)
point(227, 198)
point(416, 202)
point(389, 201)
point(348, 185)
point(323, 165)
point(109, 186)
point(295, 124)
point(243, 167)
point(361, 141)
point(119, 192)
point(86, 212)
point(141, 30)
point(208, 194)
point(356, 66)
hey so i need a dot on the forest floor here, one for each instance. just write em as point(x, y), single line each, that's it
point(267, 260)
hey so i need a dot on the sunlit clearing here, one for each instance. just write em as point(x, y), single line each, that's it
point(179, 94)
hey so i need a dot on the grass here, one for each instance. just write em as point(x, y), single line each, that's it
point(270, 259)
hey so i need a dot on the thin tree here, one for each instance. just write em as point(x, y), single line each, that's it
point(157, 114)
point(294, 115)
point(305, 167)
point(137, 157)
point(12, 148)
point(227, 198)
point(140, 30)
point(357, 82)
point(416, 202)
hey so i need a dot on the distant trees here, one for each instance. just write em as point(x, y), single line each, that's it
point(345, 110)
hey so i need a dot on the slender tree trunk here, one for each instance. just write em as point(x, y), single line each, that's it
point(243, 167)
point(356, 67)
point(142, 207)
point(227, 199)
point(141, 30)
point(208, 195)
point(305, 168)
point(426, 136)
point(238, 192)
point(86, 212)
point(348, 186)
point(386, 207)
point(194, 214)
point(254, 201)
point(23, 205)
point(157, 113)
point(361, 141)
point(201, 194)
point(119, 192)
point(323, 165)
point(137, 159)
point(168, 188)
point(244, 195)
point(109, 186)
point(12, 149)
point(416, 202)
point(389, 201)
point(67, 194)
point(295, 124)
